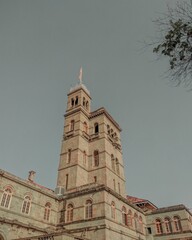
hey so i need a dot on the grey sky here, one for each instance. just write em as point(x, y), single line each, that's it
point(44, 43)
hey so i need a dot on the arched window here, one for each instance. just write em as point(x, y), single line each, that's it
point(136, 220)
point(85, 127)
point(6, 197)
point(47, 211)
point(108, 129)
point(168, 225)
point(177, 223)
point(96, 128)
point(159, 229)
point(96, 158)
point(129, 219)
point(113, 210)
point(124, 216)
point(76, 100)
point(112, 162)
point(69, 156)
point(72, 102)
point(26, 205)
point(83, 101)
point(84, 157)
point(69, 213)
point(88, 209)
point(87, 105)
point(72, 124)
point(117, 166)
point(140, 224)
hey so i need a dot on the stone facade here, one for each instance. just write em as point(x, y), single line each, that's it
point(90, 200)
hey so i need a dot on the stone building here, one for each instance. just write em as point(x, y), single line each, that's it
point(89, 201)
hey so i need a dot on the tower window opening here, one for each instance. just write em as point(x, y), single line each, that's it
point(113, 210)
point(108, 129)
point(96, 128)
point(112, 162)
point(114, 187)
point(84, 157)
point(96, 158)
point(76, 101)
point(149, 230)
point(84, 102)
point(72, 102)
point(66, 181)
point(69, 156)
point(117, 166)
point(119, 189)
point(87, 105)
point(72, 125)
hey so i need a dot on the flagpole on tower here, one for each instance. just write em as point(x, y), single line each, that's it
point(80, 75)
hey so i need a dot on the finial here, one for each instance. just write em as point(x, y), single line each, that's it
point(80, 75)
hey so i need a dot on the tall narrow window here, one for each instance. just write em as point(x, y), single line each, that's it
point(95, 179)
point(96, 127)
point(117, 166)
point(84, 158)
point(6, 198)
point(88, 209)
point(72, 124)
point(140, 224)
point(114, 185)
point(124, 216)
point(85, 127)
point(113, 210)
point(70, 213)
point(87, 105)
point(119, 189)
point(72, 102)
point(108, 129)
point(47, 211)
point(69, 156)
point(129, 219)
point(83, 101)
point(159, 228)
point(76, 100)
point(136, 221)
point(168, 225)
point(66, 181)
point(177, 223)
point(26, 205)
point(112, 162)
point(96, 158)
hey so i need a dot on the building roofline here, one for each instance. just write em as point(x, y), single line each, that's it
point(169, 209)
point(29, 184)
point(101, 111)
